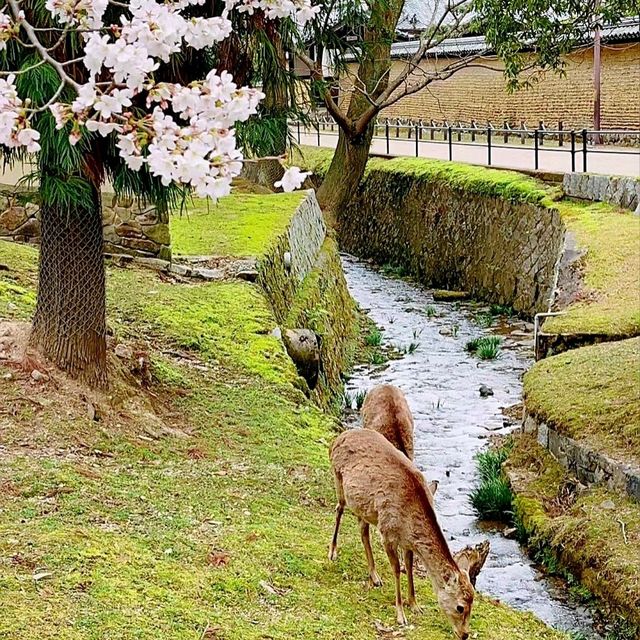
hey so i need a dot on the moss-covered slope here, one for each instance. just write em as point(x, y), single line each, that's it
point(200, 505)
point(594, 534)
point(609, 304)
point(591, 394)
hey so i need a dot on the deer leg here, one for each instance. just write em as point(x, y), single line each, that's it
point(392, 554)
point(408, 563)
point(374, 578)
point(333, 549)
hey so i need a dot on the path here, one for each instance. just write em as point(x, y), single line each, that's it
point(613, 160)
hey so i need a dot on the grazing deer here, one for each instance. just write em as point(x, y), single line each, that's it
point(383, 488)
point(386, 411)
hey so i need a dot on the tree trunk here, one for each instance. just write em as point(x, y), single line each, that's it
point(354, 141)
point(69, 326)
point(344, 174)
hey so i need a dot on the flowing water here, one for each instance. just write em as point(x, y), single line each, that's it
point(453, 422)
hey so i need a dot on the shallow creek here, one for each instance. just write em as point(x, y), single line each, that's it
point(453, 422)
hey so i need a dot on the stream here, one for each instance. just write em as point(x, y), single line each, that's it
point(453, 422)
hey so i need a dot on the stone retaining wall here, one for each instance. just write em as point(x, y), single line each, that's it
point(292, 256)
point(451, 237)
point(129, 226)
point(619, 190)
point(587, 465)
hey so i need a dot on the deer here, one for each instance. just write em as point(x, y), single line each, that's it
point(383, 488)
point(386, 411)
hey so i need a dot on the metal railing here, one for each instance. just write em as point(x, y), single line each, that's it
point(579, 144)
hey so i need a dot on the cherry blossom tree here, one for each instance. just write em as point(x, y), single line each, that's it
point(90, 76)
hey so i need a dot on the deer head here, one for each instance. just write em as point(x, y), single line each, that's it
point(471, 559)
point(455, 598)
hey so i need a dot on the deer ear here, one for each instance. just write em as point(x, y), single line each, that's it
point(472, 559)
point(433, 487)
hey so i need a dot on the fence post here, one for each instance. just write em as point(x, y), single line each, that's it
point(573, 151)
point(398, 128)
point(505, 124)
point(489, 144)
point(450, 140)
point(431, 131)
point(584, 150)
point(459, 131)
point(386, 133)
point(536, 141)
point(318, 130)
point(522, 131)
point(473, 131)
point(560, 136)
point(298, 131)
point(541, 128)
point(417, 140)
point(421, 124)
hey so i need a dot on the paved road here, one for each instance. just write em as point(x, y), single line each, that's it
point(612, 160)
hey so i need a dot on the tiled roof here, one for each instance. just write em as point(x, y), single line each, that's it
point(627, 30)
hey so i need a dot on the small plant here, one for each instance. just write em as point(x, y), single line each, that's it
point(417, 333)
point(455, 327)
point(485, 320)
point(373, 338)
point(412, 347)
point(360, 397)
point(391, 319)
point(377, 358)
point(472, 345)
point(347, 400)
point(431, 311)
point(501, 310)
point(492, 498)
point(486, 348)
point(393, 270)
point(438, 405)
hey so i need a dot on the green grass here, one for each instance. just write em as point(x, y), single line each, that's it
point(18, 281)
point(611, 238)
point(512, 186)
point(575, 533)
point(219, 533)
point(591, 394)
point(241, 225)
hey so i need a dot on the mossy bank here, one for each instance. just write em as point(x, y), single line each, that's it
point(199, 504)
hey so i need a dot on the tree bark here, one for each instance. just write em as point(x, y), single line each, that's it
point(69, 326)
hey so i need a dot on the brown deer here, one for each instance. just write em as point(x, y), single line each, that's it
point(383, 488)
point(386, 411)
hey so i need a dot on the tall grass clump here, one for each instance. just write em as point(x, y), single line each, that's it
point(486, 348)
point(492, 498)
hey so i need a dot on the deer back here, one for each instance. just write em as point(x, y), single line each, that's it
point(386, 411)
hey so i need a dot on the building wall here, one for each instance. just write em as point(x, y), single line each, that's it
point(480, 94)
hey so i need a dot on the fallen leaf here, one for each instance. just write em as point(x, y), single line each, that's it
point(218, 559)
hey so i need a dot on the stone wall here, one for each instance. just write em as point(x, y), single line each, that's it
point(292, 256)
point(589, 466)
point(481, 94)
point(129, 226)
point(453, 237)
point(619, 190)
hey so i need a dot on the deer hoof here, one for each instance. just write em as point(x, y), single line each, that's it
point(333, 553)
point(375, 580)
point(401, 618)
point(415, 608)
